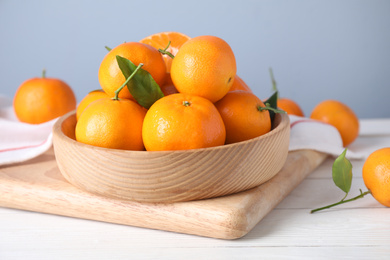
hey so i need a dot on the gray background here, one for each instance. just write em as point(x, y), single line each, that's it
point(318, 49)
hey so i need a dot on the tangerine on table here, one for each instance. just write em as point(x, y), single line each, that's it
point(376, 175)
point(243, 119)
point(110, 75)
point(340, 116)
point(39, 100)
point(161, 40)
point(290, 107)
point(112, 123)
point(204, 66)
point(182, 121)
point(88, 99)
point(239, 84)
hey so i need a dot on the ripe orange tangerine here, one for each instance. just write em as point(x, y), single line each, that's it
point(243, 117)
point(239, 84)
point(376, 175)
point(39, 100)
point(182, 121)
point(204, 66)
point(168, 88)
point(290, 106)
point(88, 99)
point(340, 116)
point(112, 123)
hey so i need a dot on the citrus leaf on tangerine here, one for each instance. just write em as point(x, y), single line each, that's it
point(142, 86)
point(273, 103)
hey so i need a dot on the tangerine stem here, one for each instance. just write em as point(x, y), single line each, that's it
point(167, 52)
point(44, 73)
point(107, 48)
point(127, 81)
point(342, 201)
point(268, 107)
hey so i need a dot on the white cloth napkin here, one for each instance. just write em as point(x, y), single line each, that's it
point(311, 134)
point(20, 141)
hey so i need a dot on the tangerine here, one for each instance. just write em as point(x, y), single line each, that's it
point(161, 41)
point(39, 100)
point(168, 88)
point(243, 117)
point(110, 75)
point(182, 121)
point(340, 116)
point(204, 66)
point(88, 99)
point(239, 84)
point(290, 107)
point(112, 123)
point(376, 175)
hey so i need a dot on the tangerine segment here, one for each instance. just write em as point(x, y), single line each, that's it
point(39, 100)
point(112, 124)
point(376, 175)
point(243, 119)
point(290, 107)
point(161, 40)
point(182, 121)
point(110, 75)
point(340, 116)
point(204, 66)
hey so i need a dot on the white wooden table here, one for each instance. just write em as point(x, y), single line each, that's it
point(356, 230)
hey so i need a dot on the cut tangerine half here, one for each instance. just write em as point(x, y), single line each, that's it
point(161, 40)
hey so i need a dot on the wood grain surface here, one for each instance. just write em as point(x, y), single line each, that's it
point(38, 185)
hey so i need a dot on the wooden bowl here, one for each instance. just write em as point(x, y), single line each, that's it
point(170, 176)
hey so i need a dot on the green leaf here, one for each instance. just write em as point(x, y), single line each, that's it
point(342, 172)
point(142, 86)
point(273, 102)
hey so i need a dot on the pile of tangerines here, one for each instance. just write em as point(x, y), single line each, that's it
point(198, 100)
point(172, 92)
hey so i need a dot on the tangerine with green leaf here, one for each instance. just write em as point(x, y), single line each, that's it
point(112, 122)
point(110, 75)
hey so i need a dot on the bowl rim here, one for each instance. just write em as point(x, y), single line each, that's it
point(57, 132)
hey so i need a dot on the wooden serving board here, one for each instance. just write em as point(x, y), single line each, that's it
point(37, 185)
